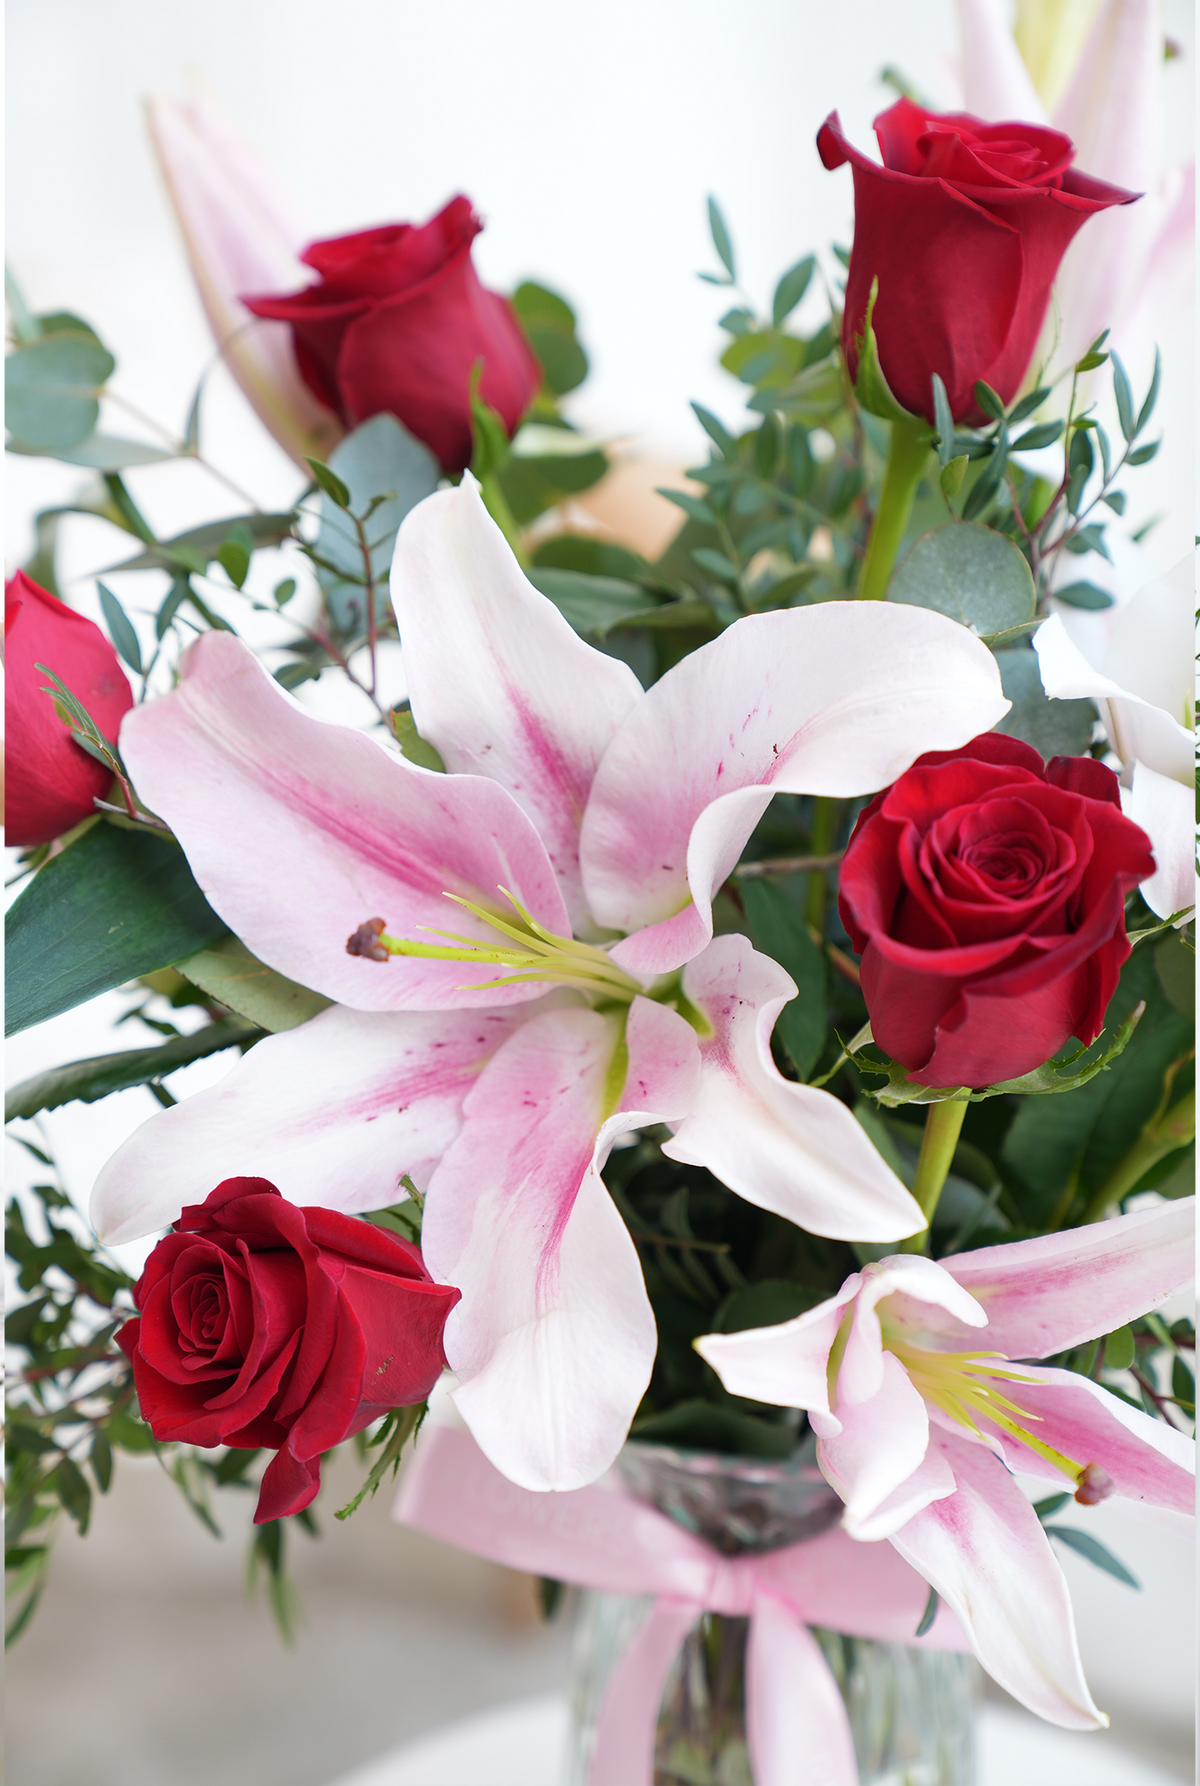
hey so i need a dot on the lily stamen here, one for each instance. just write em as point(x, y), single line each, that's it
point(539, 953)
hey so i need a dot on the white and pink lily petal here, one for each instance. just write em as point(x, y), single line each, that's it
point(921, 1417)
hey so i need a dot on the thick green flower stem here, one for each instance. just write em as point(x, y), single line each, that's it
point(906, 461)
point(943, 1125)
point(1157, 1140)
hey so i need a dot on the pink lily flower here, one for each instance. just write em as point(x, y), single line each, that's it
point(572, 988)
point(1132, 269)
point(921, 1417)
point(240, 236)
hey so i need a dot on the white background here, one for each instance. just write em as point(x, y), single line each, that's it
point(588, 137)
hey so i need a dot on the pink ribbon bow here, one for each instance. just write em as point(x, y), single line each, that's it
point(603, 1537)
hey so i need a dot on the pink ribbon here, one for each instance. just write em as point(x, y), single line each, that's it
point(603, 1537)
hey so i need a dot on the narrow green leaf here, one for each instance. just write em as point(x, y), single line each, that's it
point(1084, 1545)
point(716, 564)
point(1051, 1505)
point(989, 400)
point(791, 289)
point(86, 1081)
point(101, 1460)
point(945, 423)
point(284, 591)
point(1119, 1349)
point(330, 482)
point(1044, 435)
point(1028, 404)
point(929, 1614)
point(71, 1487)
point(1124, 397)
point(120, 628)
point(1147, 409)
point(1142, 456)
point(691, 505)
point(952, 475)
point(720, 236)
point(1083, 595)
point(717, 433)
point(227, 971)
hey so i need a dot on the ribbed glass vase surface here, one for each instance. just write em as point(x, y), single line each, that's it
point(911, 1711)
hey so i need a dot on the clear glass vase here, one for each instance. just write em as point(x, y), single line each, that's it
point(911, 1711)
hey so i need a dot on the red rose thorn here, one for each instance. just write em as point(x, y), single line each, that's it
point(1095, 1485)
point(365, 941)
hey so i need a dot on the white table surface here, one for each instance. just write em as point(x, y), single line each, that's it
point(522, 1745)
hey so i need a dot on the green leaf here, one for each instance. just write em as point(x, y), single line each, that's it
point(945, 425)
point(717, 433)
point(970, 573)
point(766, 1303)
point(115, 904)
point(691, 505)
point(284, 591)
point(791, 289)
point(987, 484)
point(417, 749)
point(1084, 1545)
point(52, 387)
point(952, 475)
point(233, 554)
point(101, 1460)
point(1142, 455)
point(1175, 965)
point(380, 458)
point(716, 564)
point(1051, 1505)
point(704, 1426)
point(720, 236)
point(74, 1493)
point(1119, 1349)
point(199, 545)
point(593, 605)
point(120, 628)
point(228, 972)
point(86, 1081)
point(989, 400)
point(536, 305)
point(1044, 435)
point(871, 387)
point(1147, 409)
point(1055, 728)
point(1084, 595)
point(929, 1614)
point(329, 482)
point(1124, 397)
point(1031, 401)
point(778, 929)
point(764, 358)
point(129, 1433)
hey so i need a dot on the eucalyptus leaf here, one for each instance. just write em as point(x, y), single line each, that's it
point(593, 605)
point(120, 628)
point(52, 387)
point(380, 458)
point(1055, 728)
point(195, 549)
point(970, 573)
point(100, 452)
point(114, 904)
point(791, 289)
point(1083, 595)
point(228, 972)
point(1084, 1545)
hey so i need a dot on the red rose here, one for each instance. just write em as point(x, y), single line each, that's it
point(266, 1324)
point(985, 892)
point(397, 324)
point(50, 782)
point(964, 226)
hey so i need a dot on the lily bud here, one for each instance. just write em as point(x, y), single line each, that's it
point(240, 237)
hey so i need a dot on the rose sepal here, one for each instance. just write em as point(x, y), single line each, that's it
point(871, 388)
point(1062, 1072)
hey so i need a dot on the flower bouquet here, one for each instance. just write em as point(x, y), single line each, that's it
point(729, 1008)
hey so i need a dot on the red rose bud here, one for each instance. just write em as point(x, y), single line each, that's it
point(964, 227)
point(397, 323)
point(264, 1324)
point(985, 892)
point(51, 783)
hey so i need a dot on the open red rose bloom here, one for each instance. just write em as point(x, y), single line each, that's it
point(985, 892)
point(964, 227)
point(265, 1324)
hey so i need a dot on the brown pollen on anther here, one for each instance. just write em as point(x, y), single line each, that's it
point(365, 941)
point(1095, 1485)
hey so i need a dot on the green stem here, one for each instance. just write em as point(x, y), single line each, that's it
point(496, 503)
point(906, 461)
point(1158, 1139)
point(824, 828)
point(943, 1124)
